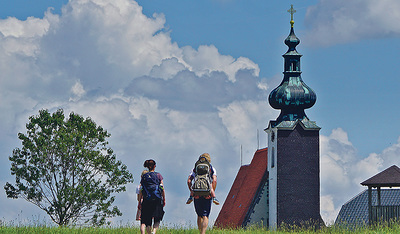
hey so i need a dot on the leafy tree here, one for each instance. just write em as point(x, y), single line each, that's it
point(66, 169)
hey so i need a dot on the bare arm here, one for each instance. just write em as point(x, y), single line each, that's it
point(214, 182)
point(140, 197)
point(189, 183)
point(163, 191)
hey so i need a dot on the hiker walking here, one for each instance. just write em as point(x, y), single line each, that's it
point(202, 182)
point(152, 196)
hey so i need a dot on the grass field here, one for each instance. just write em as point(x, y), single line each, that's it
point(394, 228)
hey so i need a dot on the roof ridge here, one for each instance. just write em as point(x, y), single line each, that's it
point(356, 196)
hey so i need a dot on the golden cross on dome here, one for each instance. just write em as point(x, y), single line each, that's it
point(291, 11)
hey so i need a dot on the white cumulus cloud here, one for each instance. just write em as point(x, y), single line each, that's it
point(344, 21)
point(108, 61)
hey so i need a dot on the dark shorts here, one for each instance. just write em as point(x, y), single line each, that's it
point(202, 206)
point(150, 210)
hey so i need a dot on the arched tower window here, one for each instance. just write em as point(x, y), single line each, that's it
point(273, 157)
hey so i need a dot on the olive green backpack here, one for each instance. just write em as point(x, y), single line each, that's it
point(202, 179)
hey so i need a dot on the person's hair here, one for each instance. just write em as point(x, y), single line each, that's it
point(150, 164)
point(207, 156)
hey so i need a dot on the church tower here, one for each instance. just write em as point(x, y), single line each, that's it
point(293, 147)
point(281, 184)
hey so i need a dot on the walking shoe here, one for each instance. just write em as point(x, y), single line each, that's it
point(189, 200)
point(215, 200)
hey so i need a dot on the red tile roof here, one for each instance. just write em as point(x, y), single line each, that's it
point(387, 178)
point(243, 191)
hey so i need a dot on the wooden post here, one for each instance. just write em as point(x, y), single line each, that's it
point(379, 196)
point(370, 205)
point(379, 208)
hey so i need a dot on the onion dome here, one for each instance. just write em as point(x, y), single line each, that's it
point(292, 96)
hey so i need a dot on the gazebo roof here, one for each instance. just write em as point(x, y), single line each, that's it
point(387, 178)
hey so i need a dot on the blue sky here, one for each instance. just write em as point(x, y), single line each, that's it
point(194, 76)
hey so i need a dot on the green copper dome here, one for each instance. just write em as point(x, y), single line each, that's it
point(292, 96)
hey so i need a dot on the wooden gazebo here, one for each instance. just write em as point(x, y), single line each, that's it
point(387, 178)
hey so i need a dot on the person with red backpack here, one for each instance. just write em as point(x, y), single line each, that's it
point(202, 183)
point(152, 196)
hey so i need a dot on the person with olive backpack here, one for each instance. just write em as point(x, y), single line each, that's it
point(202, 183)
